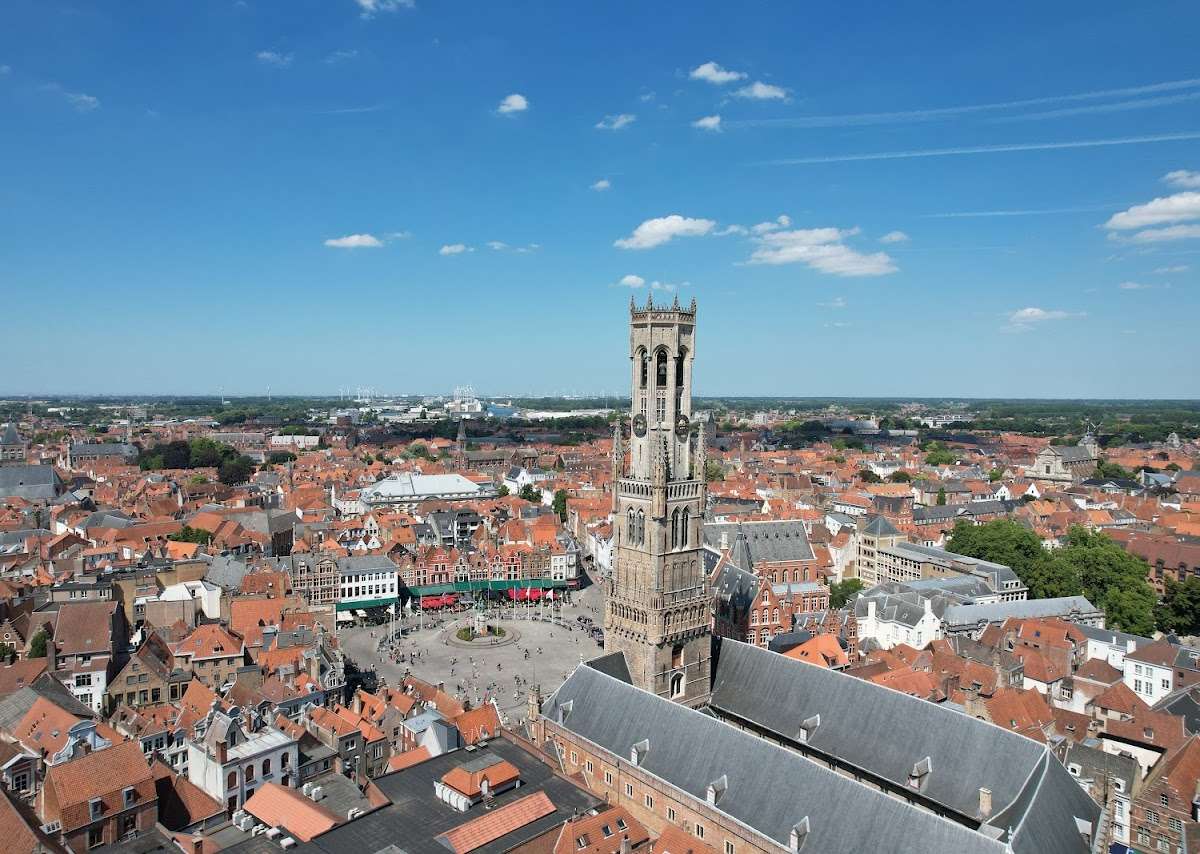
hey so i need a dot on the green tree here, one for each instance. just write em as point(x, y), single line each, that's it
point(713, 470)
point(278, 458)
point(1179, 610)
point(841, 592)
point(530, 493)
point(188, 534)
point(560, 504)
point(1106, 469)
point(868, 476)
point(502, 491)
point(1109, 577)
point(1005, 541)
point(900, 476)
point(941, 496)
point(996, 474)
point(235, 471)
point(37, 646)
point(937, 455)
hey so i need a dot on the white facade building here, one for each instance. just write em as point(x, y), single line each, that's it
point(229, 763)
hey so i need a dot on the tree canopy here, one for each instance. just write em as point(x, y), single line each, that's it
point(37, 646)
point(560, 504)
point(1179, 610)
point(841, 592)
point(1088, 564)
point(188, 534)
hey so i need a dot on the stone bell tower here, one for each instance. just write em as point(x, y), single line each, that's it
point(657, 608)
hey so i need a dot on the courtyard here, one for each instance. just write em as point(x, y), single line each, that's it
point(542, 644)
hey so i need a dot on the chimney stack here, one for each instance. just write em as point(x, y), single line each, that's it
point(985, 801)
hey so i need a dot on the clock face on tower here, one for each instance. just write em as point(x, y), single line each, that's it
point(639, 425)
point(682, 426)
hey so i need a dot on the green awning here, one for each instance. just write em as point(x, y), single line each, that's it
point(363, 604)
point(476, 586)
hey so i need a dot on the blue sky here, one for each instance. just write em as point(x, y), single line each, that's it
point(247, 194)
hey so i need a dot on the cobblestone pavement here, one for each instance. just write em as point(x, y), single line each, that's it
point(544, 651)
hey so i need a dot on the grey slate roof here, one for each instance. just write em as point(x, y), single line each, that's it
point(879, 526)
point(32, 483)
point(613, 664)
point(1095, 764)
point(1074, 453)
point(226, 571)
point(885, 732)
point(998, 612)
point(11, 436)
point(365, 563)
point(768, 788)
point(103, 449)
point(769, 542)
point(935, 513)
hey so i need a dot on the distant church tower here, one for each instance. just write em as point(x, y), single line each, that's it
point(657, 608)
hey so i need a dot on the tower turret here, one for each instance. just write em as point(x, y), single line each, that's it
point(657, 611)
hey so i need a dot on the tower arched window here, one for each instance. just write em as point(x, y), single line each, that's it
point(641, 527)
point(660, 378)
point(685, 531)
point(644, 367)
point(631, 528)
point(675, 528)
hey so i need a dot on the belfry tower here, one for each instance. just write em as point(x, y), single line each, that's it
point(657, 607)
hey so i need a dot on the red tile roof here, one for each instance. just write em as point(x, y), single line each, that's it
point(104, 774)
point(496, 824)
point(280, 806)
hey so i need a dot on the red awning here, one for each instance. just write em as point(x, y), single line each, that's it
point(431, 601)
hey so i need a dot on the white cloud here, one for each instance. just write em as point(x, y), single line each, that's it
point(655, 232)
point(513, 103)
point(836, 302)
point(1183, 178)
point(783, 221)
point(81, 102)
point(712, 123)
point(1176, 208)
point(5, 69)
point(1162, 235)
point(1024, 319)
point(837, 324)
point(354, 241)
point(710, 72)
point(631, 281)
point(616, 122)
point(497, 245)
point(455, 249)
point(341, 56)
point(894, 237)
point(1167, 271)
point(602, 185)
point(646, 97)
point(667, 286)
point(1134, 286)
point(731, 229)
point(371, 7)
point(274, 58)
point(821, 249)
point(399, 235)
point(759, 91)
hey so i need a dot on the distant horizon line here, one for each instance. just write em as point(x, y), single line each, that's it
point(165, 396)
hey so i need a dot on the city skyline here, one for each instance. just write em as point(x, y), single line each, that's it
point(408, 196)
